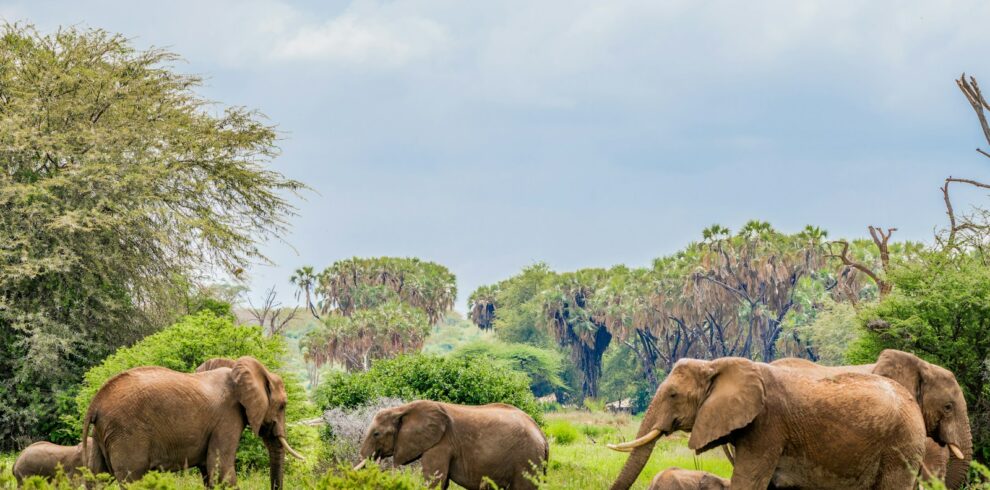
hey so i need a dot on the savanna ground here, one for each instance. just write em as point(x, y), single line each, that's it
point(578, 457)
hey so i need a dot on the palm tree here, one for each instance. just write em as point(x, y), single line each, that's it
point(304, 278)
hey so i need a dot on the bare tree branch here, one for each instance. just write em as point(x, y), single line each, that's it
point(971, 90)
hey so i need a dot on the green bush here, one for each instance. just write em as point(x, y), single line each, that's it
point(543, 366)
point(184, 346)
point(562, 432)
point(474, 381)
point(371, 476)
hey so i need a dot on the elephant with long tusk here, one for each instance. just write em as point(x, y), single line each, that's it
point(853, 431)
point(152, 418)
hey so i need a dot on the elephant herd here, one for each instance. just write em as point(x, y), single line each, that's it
point(787, 424)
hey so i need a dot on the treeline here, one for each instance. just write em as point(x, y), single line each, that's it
point(756, 293)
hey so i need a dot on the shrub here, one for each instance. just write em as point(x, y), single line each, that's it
point(562, 432)
point(371, 476)
point(543, 366)
point(474, 381)
point(184, 346)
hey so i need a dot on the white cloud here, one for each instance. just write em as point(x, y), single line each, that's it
point(368, 37)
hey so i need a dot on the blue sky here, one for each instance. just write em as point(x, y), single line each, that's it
point(490, 135)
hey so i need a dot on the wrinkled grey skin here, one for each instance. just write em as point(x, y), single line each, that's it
point(152, 418)
point(680, 479)
point(43, 458)
point(938, 395)
point(460, 443)
point(852, 431)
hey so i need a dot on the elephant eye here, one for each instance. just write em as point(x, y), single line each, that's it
point(673, 394)
point(376, 434)
point(947, 407)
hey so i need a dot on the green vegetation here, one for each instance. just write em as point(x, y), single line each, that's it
point(473, 381)
point(543, 366)
point(119, 184)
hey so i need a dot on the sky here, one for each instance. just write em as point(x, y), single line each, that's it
point(487, 136)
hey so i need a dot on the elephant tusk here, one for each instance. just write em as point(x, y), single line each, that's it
point(290, 450)
point(956, 451)
point(629, 446)
point(361, 464)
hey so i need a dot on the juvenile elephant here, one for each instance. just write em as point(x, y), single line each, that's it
point(152, 418)
point(937, 393)
point(852, 431)
point(42, 459)
point(680, 479)
point(463, 444)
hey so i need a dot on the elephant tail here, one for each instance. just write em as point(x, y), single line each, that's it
point(90, 417)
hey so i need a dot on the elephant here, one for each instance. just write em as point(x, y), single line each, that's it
point(42, 459)
point(459, 443)
point(936, 461)
point(680, 479)
point(937, 393)
point(852, 431)
point(153, 418)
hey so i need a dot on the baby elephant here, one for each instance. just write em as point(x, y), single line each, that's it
point(463, 444)
point(42, 459)
point(679, 479)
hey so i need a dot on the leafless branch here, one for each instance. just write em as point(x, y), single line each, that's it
point(971, 90)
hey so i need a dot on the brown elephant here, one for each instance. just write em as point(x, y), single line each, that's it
point(216, 362)
point(43, 458)
point(937, 393)
point(152, 418)
point(852, 431)
point(679, 479)
point(459, 443)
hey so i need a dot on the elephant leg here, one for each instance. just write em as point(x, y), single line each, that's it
point(203, 474)
point(436, 467)
point(129, 463)
point(754, 468)
point(221, 455)
point(896, 472)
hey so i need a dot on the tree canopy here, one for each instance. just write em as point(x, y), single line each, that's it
point(119, 185)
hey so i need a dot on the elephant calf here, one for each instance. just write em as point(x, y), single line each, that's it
point(680, 479)
point(463, 444)
point(43, 458)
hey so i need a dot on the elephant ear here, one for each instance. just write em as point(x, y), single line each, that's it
point(905, 368)
point(215, 363)
point(735, 397)
point(421, 426)
point(251, 387)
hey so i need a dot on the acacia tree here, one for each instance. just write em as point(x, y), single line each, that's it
point(356, 283)
point(118, 186)
point(512, 308)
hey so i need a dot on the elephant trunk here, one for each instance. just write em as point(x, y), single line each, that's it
point(957, 470)
point(276, 458)
point(634, 466)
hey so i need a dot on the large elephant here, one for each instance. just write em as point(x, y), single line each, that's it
point(680, 479)
point(152, 418)
point(43, 458)
point(852, 431)
point(937, 393)
point(463, 444)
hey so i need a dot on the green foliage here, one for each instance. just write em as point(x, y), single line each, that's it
point(516, 312)
point(543, 366)
point(358, 283)
point(184, 346)
point(833, 331)
point(371, 476)
point(453, 332)
point(382, 331)
point(939, 310)
point(117, 183)
point(622, 378)
point(474, 381)
point(562, 432)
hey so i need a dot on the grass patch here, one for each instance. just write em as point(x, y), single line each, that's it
point(562, 432)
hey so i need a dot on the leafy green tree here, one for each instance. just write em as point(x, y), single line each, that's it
point(545, 367)
point(356, 283)
point(118, 183)
point(305, 279)
point(519, 317)
point(939, 309)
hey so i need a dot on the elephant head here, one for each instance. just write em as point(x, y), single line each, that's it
point(404, 432)
point(942, 405)
point(710, 399)
point(262, 395)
